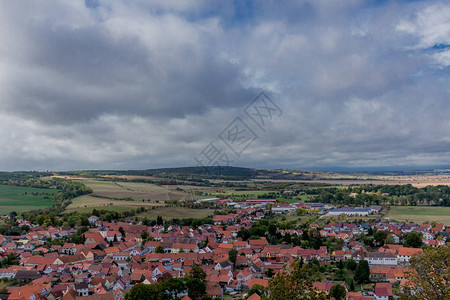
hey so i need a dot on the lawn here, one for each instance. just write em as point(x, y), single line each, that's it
point(420, 214)
point(177, 212)
point(21, 199)
point(133, 191)
point(87, 201)
point(107, 194)
point(88, 210)
point(297, 219)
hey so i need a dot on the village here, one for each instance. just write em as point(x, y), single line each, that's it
point(112, 257)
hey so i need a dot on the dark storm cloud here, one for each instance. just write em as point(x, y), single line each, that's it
point(116, 84)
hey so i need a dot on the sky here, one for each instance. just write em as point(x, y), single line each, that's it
point(115, 84)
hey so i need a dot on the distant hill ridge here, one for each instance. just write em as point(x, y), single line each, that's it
point(226, 172)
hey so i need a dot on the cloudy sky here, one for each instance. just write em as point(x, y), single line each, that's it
point(115, 84)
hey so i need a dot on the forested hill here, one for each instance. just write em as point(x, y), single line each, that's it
point(228, 173)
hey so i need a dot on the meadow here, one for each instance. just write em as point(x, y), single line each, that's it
point(108, 194)
point(132, 190)
point(88, 201)
point(420, 214)
point(168, 213)
point(21, 199)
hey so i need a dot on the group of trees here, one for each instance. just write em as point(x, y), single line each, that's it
point(295, 282)
point(429, 275)
point(384, 195)
point(428, 278)
point(10, 259)
point(309, 239)
point(193, 284)
point(380, 237)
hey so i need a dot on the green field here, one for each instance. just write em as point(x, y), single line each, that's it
point(88, 210)
point(20, 199)
point(167, 213)
point(420, 214)
point(125, 194)
point(87, 201)
point(177, 212)
point(131, 190)
point(297, 219)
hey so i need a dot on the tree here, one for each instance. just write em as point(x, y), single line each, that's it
point(256, 289)
point(269, 273)
point(159, 249)
point(389, 240)
point(122, 232)
point(305, 235)
point(428, 275)
point(272, 229)
point(172, 287)
point(159, 220)
point(243, 233)
point(197, 272)
point(340, 264)
point(144, 235)
point(232, 255)
point(196, 288)
point(380, 236)
point(144, 291)
point(362, 272)
point(351, 264)
point(338, 291)
point(413, 239)
point(295, 282)
point(352, 285)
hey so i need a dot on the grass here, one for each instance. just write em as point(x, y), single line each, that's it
point(21, 199)
point(87, 201)
point(132, 190)
point(167, 213)
point(176, 212)
point(88, 210)
point(420, 214)
point(297, 219)
point(124, 194)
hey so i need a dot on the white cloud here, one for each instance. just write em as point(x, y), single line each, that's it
point(119, 84)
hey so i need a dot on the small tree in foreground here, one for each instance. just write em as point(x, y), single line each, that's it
point(429, 275)
point(338, 292)
point(295, 282)
point(257, 289)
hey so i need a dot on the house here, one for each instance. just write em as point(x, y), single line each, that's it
point(7, 273)
point(254, 296)
point(253, 281)
point(82, 289)
point(349, 211)
point(284, 209)
point(404, 253)
point(177, 247)
point(93, 219)
point(25, 275)
point(325, 286)
point(245, 275)
point(356, 296)
point(381, 258)
point(113, 235)
point(428, 236)
point(223, 265)
point(383, 291)
point(224, 219)
point(68, 249)
point(26, 292)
